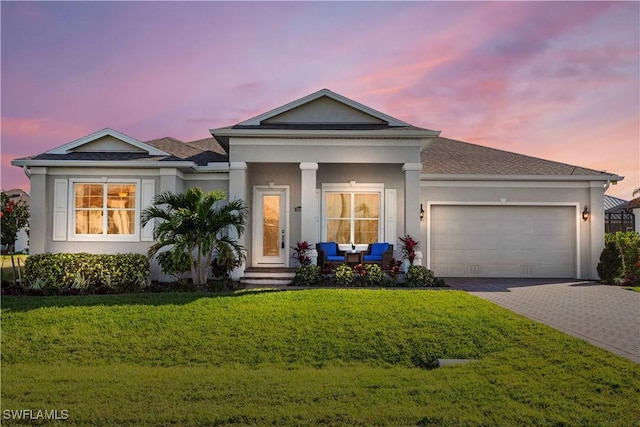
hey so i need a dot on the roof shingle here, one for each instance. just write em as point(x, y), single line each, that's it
point(446, 156)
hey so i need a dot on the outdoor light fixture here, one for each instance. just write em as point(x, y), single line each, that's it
point(421, 212)
point(585, 213)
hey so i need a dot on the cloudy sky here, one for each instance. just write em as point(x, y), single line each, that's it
point(560, 81)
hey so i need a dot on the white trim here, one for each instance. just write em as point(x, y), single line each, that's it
point(436, 179)
point(73, 237)
point(575, 205)
point(254, 121)
point(67, 148)
point(256, 222)
point(400, 134)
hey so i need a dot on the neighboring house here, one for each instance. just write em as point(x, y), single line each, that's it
point(327, 168)
point(22, 239)
point(621, 215)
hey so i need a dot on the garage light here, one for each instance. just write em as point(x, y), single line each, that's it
point(585, 213)
point(421, 212)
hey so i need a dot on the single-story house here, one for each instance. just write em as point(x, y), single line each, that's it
point(327, 168)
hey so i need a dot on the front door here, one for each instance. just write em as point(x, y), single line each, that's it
point(270, 227)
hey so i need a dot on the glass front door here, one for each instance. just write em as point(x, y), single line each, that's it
point(270, 227)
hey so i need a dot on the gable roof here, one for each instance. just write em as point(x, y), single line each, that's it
point(200, 152)
point(135, 145)
point(368, 114)
point(446, 156)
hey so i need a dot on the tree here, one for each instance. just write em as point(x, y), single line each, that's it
point(198, 224)
point(14, 216)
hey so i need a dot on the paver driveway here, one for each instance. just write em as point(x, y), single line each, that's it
point(606, 316)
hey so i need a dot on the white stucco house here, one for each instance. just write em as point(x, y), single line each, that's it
point(327, 168)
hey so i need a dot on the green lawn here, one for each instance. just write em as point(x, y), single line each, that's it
point(328, 357)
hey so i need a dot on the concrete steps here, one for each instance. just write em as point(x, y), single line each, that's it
point(268, 276)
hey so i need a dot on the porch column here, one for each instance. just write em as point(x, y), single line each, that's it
point(596, 228)
point(309, 227)
point(238, 190)
point(412, 204)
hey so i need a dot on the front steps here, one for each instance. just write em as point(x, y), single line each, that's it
point(268, 276)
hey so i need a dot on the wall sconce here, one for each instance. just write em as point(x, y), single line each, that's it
point(585, 213)
point(421, 212)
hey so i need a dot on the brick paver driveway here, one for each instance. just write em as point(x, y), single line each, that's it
point(606, 316)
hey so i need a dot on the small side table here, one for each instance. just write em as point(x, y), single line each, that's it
point(354, 258)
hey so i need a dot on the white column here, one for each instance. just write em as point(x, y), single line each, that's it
point(38, 208)
point(596, 229)
point(412, 204)
point(238, 191)
point(309, 228)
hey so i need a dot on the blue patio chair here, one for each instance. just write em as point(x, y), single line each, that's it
point(379, 253)
point(329, 255)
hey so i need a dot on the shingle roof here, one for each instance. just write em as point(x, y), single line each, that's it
point(201, 152)
point(449, 157)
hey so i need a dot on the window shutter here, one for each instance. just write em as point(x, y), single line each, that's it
point(320, 237)
point(390, 216)
point(147, 193)
point(60, 206)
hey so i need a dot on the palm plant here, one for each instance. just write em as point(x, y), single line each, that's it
point(198, 224)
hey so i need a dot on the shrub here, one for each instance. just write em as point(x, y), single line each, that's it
point(344, 275)
point(176, 264)
point(300, 253)
point(408, 248)
point(308, 275)
point(611, 265)
point(419, 275)
point(374, 276)
point(86, 273)
point(629, 243)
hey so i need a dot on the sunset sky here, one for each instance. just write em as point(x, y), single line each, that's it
point(560, 81)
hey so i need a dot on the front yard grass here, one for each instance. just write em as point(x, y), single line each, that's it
point(327, 357)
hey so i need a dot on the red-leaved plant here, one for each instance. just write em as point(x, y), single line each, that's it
point(301, 253)
point(408, 248)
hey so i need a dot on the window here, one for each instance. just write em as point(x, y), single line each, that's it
point(352, 216)
point(104, 209)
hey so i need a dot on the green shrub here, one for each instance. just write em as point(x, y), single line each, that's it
point(374, 276)
point(86, 273)
point(611, 265)
point(629, 243)
point(308, 275)
point(176, 264)
point(344, 275)
point(419, 275)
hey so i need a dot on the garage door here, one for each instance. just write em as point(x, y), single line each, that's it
point(503, 241)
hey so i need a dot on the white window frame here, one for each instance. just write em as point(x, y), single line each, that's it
point(353, 188)
point(135, 237)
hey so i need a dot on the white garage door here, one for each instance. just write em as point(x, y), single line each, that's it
point(503, 241)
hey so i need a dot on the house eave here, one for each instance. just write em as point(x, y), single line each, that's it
point(477, 177)
point(184, 165)
point(321, 134)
